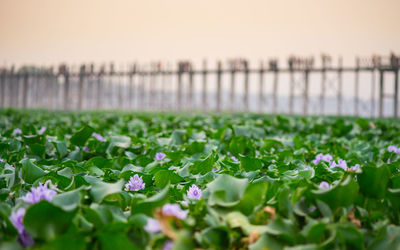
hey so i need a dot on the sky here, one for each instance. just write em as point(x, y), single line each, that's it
point(81, 31)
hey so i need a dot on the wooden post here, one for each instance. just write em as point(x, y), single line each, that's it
point(275, 90)
point(305, 93)
point(204, 94)
point(291, 90)
point(373, 92)
point(16, 90)
point(151, 99)
point(3, 79)
point(120, 88)
point(10, 93)
point(381, 79)
point(141, 98)
point(357, 83)
point(396, 92)
point(80, 86)
point(261, 88)
point(219, 78)
point(340, 83)
point(66, 88)
point(323, 89)
point(130, 91)
point(51, 89)
point(163, 83)
point(190, 101)
point(99, 99)
point(112, 87)
point(246, 87)
point(232, 93)
point(25, 90)
point(179, 90)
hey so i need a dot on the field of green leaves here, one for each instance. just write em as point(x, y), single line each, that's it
point(114, 180)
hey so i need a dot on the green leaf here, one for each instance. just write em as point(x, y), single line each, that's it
point(100, 190)
point(30, 172)
point(226, 191)
point(203, 166)
point(250, 164)
point(80, 137)
point(266, 242)
point(254, 195)
point(68, 200)
point(146, 206)
point(374, 181)
point(61, 147)
point(348, 235)
point(121, 141)
point(388, 238)
point(66, 242)
point(163, 177)
point(46, 221)
point(341, 195)
point(217, 237)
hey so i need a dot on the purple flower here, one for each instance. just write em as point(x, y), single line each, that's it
point(168, 245)
point(159, 156)
point(152, 226)
point(388, 161)
point(86, 149)
point(17, 219)
point(325, 185)
point(42, 130)
point(98, 136)
point(25, 239)
point(135, 183)
point(342, 164)
point(194, 192)
point(398, 151)
point(1, 160)
point(355, 167)
point(17, 131)
point(214, 170)
point(392, 148)
point(318, 158)
point(174, 210)
point(42, 192)
point(234, 158)
point(321, 157)
point(327, 158)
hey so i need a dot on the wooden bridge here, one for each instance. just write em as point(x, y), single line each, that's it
point(159, 86)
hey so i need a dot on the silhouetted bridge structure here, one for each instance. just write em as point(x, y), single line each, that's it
point(233, 86)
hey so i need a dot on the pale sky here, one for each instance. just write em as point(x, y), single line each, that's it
point(77, 31)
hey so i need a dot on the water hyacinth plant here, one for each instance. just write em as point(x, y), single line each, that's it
point(135, 183)
point(175, 211)
point(98, 137)
point(325, 185)
point(41, 130)
point(321, 157)
point(17, 219)
point(17, 131)
point(42, 192)
point(296, 182)
point(159, 156)
point(194, 192)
